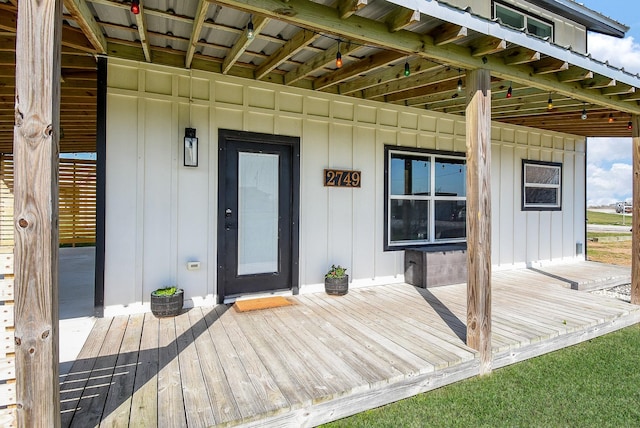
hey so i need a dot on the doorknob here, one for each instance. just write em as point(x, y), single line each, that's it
point(227, 212)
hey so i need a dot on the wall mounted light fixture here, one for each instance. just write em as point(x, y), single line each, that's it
point(190, 147)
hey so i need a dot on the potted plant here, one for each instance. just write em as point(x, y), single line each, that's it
point(336, 281)
point(167, 301)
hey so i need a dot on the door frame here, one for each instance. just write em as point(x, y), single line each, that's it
point(224, 137)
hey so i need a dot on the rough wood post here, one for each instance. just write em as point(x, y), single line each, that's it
point(635, 221)
point(35, 148)
point(478, 127)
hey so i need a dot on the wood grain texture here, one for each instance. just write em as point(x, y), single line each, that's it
point(35, 146)
point(478, 125)
point(635, 253)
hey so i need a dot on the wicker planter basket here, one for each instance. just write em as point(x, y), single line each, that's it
point(167, 306)
point(337, 286)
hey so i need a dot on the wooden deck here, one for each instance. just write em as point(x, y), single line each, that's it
point(321, 359)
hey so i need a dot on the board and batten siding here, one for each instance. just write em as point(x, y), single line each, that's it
point(160, 214)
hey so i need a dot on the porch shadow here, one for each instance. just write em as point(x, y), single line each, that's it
point(100, 388)
point(574, 285)
point(458, 327)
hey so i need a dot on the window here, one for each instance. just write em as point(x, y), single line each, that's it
point(426, 198)
point(541, 186)
point(518, 19)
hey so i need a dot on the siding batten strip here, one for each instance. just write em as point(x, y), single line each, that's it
point(635, 256)
point(36, 138)
point(478, 128)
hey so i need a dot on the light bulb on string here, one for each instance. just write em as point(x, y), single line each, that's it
point(611, 119)
point(509, 91)
point(250, 32)
point(550, 103)
point(407, 69)
point(135, 7)
point(584, 113)
point(338, 57)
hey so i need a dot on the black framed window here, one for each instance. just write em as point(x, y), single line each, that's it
point(541, 186)
point(519, 19)
point(425, 198)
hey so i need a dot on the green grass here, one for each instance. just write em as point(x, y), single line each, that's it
point(593, 384)
point(606, 234)
point(594, 217)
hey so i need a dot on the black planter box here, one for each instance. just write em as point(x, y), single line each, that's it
point(337, 286)
point(167, 306)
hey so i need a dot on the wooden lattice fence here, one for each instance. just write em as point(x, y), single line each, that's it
point(77, 198)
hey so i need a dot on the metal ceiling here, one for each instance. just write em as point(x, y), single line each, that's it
point(296, 42)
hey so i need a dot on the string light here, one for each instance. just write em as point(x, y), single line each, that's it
point(630, 126)
point(407, 69)
point(584, 113)
point(549, 103)
point(459, 82)
point(250, 33)
point(135, 7)
point(509, 91)
point(338, 57)
point(611, 119)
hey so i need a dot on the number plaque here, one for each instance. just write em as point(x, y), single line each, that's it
point(341, 178)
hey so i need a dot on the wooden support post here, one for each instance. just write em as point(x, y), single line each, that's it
point(635, 222)
point(478, 120)
point(35, 148)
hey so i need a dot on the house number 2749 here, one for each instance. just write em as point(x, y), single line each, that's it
point(341, 178)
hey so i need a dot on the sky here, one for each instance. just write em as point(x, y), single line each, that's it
point(609, 171)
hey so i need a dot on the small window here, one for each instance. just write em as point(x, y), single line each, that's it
point(425, 198)
point(517, 19)
point(541, 186)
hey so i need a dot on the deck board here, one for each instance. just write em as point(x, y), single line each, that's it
point(325, 357)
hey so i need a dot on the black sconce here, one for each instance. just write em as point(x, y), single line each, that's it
point(190, 147)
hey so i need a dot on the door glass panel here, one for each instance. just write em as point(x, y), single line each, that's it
point(257, 213)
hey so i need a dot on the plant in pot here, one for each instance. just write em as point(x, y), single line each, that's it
point(167, 301)
point(336, 281)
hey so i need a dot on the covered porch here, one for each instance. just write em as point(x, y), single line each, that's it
point(324, 358)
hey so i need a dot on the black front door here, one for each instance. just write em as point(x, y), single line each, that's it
point(258, 181)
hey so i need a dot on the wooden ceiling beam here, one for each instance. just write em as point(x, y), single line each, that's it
point(598, 82)
point(448, 33)
point(196, 29)
point(299, 41)
point(447, 85)
point(317, 62)
point(346, 8)
point(412, 82)
point(487, 45)
point(417, 66)
point(520, 55)
point(574, 74)
point(84, 18)
point(371, 62)
point(141, 22)
point(549, 65)
point(619, 89)
point(243, 43)
point(400, 18)
point(631, 97)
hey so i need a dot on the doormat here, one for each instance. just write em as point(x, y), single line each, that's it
point(262, 303)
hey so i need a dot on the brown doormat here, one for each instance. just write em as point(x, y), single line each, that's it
point(262, 303)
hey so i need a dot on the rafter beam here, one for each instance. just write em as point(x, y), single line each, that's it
point(298, 42)
point(412, 82)
point(346, 8)
point(370, 63)
point(599, 82)
point(87, 23)
point(317, 62)
point(401, 18)
point(550, 65)
point(520, 55)
point(574, 74)
point(196, 29)
point(242, 44)
point(448, 33)
point(487, 45)
point(417, 66)
point(141, 22)
point(619, 89)
point(304, 13)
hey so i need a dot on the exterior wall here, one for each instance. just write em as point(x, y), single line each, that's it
point(159, 214)
point(566, 33)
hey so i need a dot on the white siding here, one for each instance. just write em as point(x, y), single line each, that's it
point(161, 214)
